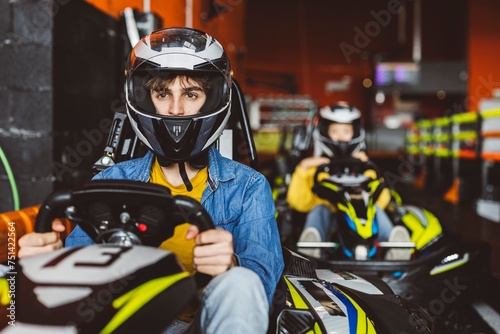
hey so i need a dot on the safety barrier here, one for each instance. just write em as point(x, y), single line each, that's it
point(15, 224)
point(488, 206)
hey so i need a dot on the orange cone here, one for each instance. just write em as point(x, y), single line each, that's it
point(420, 180)
point(452, 195)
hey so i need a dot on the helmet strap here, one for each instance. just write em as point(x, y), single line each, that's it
point(185, 178)
point(199, 162)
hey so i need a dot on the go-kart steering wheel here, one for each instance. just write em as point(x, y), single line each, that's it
point(349, 165)
point(345, 173)
point(124, 212)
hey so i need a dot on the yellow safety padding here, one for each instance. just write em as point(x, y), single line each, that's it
point(426, 137)
point(465, 135)
point(467, 117)
point(422, 235)
point(443, 121)
point(490, 113)
point(442, 153)
point(412, 138)
point(412, 150)
point(425, 123)
point(441, 137)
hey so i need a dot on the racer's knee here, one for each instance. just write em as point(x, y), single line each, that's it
point(320, 217)
point(321, 209)
point(235, 302)
point(239, 283)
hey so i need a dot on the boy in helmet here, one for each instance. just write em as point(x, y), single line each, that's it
point(338, 134)
point(178, 97)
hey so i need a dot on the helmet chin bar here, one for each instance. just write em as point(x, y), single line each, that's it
point(341, 149)
point(198, 162)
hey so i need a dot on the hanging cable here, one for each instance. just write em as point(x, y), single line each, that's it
point(131, 26)
point(12, 181)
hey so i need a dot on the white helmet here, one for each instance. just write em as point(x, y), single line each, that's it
point(338, 113)
point(167, 53)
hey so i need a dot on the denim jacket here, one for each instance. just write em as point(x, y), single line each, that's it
point(238, 199)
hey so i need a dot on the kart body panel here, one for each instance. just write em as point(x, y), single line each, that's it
point(331, 301)
point(101, 289)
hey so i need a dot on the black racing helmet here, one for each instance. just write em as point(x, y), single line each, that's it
point(344, 113)
point(168, 53)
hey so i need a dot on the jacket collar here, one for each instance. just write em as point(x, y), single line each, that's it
point(143, 172)
point(218, 169)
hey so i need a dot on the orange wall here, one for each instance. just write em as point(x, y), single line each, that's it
point(172, 12)
point(267, 36)
point(484, 50)
point(304, 38)
point(227, 27)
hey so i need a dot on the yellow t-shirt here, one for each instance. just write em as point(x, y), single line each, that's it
point(177, 244)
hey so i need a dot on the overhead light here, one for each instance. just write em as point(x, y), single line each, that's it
point(392, 122)
point(380, 97)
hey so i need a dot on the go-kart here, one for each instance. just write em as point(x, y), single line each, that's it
point(121, 285)
point(332, 301)
point(441, 268)
point(125, 284)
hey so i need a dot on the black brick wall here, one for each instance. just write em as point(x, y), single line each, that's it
point(26, 99)
point(59, 76)
point(5, 18)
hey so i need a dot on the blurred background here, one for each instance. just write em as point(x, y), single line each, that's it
point(425, 75)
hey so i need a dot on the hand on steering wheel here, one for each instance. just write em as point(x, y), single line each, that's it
point(213, 254)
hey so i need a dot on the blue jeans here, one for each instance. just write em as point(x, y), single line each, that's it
point(325, 221)
point(233, 302)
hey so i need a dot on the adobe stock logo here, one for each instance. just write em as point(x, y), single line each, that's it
point(372, 29)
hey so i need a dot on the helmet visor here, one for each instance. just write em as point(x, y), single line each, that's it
point(167, 93)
